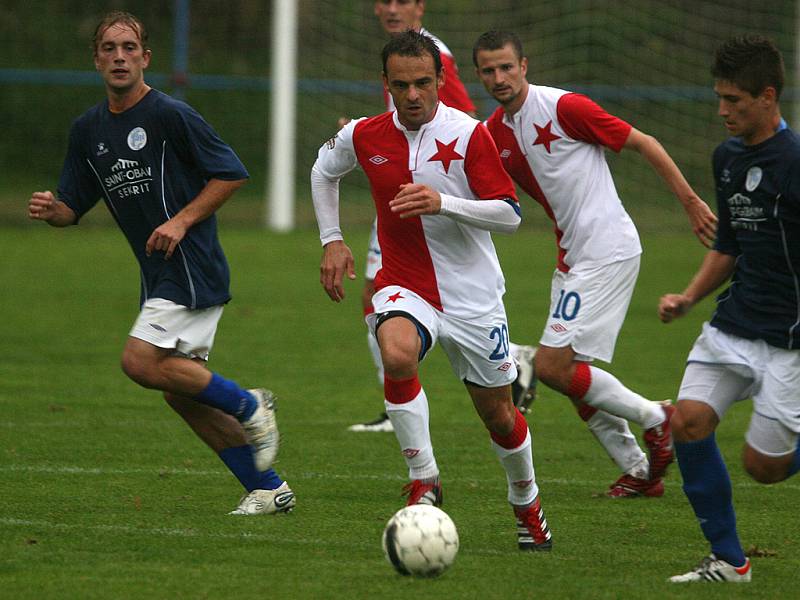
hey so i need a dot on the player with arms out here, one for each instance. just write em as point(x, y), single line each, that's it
point(552, 143)
point(439, 189)
point(751, 346)
point(163, 172)
point(397, 16)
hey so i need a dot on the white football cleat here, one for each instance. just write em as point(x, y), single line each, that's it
point(266, 502)
point(712, 568)
point(382, 423)
point(261, 429)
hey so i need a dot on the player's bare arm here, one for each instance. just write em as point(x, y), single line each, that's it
point(715, 270)
point(168, 235)
point(701, 217)
point(337, 262)
point(44, 206)
point(415, 199)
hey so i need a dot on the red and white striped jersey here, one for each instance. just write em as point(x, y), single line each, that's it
point(452, 93)
point(553, 147)
point(452, 265)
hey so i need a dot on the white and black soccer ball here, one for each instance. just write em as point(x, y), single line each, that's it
point(420, 540)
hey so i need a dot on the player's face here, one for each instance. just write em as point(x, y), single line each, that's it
point(397, 16)
point(503, 75)
point(121, 59)
point(414, 86)
point(744, 115)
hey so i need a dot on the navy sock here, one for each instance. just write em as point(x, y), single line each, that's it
point(239, 461)
point(707, 485)
point(228, 397)
point(795, 466)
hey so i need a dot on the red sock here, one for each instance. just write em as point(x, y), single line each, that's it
point(517, 435)
point(402, 390)
point(581, 381)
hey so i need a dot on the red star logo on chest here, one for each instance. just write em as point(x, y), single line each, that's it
point(446, 153)
point(544, 136)
point(394, 298)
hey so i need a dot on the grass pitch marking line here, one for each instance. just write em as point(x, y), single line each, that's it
point(72, 470)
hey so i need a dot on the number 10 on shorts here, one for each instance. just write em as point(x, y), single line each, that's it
point(568, 305)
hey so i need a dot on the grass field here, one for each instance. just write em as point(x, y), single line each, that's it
point(106, 494)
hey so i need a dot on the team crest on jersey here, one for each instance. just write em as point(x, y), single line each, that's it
point(753, 178)
point(137, 138)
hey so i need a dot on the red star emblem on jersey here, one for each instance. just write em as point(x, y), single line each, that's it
point(544, 136)
point(446, 154)
point(395, 297)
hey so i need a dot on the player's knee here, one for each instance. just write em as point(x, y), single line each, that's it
point(761, 468)
point(499, 419)
point(689, 424)
point(138, 369)
point(399, 362)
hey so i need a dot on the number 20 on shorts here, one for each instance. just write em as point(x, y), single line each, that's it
point(568, 305)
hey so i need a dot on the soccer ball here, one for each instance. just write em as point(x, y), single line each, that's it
point(420, 540)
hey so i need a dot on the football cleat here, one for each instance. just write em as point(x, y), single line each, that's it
point(261, 429)
point(533, 533)
point(420, 492)
point(523, 389)
point(629, 486)
point(382, 423)
point(658, 440)
point(712, 568)
point(266, 502)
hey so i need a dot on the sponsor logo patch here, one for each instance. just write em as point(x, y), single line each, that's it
point(410, 452)
point(523, 483)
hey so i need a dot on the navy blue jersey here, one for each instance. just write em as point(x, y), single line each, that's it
point(758, 197)
point(147, 163)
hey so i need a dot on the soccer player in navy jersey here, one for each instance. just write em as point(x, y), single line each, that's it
point(751, 346)
point(163, 172)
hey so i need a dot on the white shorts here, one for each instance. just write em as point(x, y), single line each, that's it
point(374, 261)
point(173, 326)
point(477, 349)
point(588, 307)
point(724, 368)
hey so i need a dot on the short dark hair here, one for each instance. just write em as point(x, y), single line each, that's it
point(412, 43)
point(119, 17)
point(495, 40)
point(751, 62)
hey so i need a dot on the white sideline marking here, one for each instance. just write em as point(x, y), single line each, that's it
point(53, 469)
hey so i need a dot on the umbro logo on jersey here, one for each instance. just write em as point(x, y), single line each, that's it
point(157, 327)
point(558, 328)
point(504, 367)
point(331, 143)
point(410, 452)
point(101, 149)
point(505, 153)
point(378, 159)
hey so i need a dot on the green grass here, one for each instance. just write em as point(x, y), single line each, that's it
point(107, 494)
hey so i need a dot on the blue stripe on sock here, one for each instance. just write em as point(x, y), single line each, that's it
point(707, 485)
point(228, 397)
point(239, 461)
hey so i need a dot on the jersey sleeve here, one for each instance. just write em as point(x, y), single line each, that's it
point(582, 119)
point(197, 141)
point(725, 240)
point(485, 173)
point(337, 156)
point(78, 186)
point(453, 93)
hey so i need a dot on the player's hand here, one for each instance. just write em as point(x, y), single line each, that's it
point(42, 206)
point(415, 199)
point(165, 238)
point(343, 121)
point(703, 221)
point(672, 306)
point(337, 261)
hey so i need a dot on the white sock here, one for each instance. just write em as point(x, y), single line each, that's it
point(615, 436)
point(410, 422)
point(375, 351)
point(518, 465)
point(607, 393)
